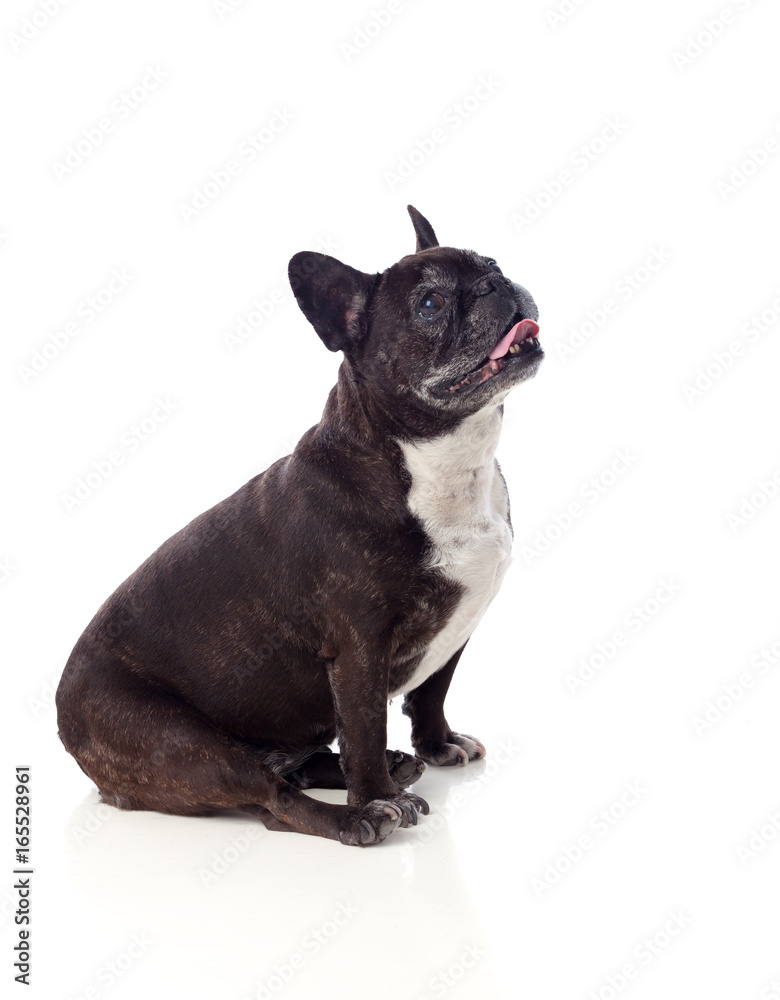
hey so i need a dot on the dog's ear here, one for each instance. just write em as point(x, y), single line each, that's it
point(333, 297)
point(426, 237)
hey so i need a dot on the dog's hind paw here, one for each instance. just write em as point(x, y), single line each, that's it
point(404, 768)
point(458, 750)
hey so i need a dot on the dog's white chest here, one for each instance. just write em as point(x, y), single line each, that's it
point(459, 496)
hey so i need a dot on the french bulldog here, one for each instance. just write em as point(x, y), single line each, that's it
point(348, 573)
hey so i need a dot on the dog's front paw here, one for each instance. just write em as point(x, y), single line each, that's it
point(404, 768)
point(372, 824)
point(377, 820)
point(458, 750)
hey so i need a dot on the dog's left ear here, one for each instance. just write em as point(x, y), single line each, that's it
point(426, 238)
point(333, 297)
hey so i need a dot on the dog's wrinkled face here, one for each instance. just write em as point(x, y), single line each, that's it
point(448, 327)
point(442, 330)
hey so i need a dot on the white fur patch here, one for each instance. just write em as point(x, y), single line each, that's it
point(459, 496)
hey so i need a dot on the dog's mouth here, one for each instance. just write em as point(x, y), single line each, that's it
point(516, 346)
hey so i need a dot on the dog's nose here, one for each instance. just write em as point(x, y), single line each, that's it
point(484, 285)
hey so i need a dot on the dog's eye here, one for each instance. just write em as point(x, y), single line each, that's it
point(431, 304)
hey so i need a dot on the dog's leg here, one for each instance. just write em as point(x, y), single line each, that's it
point(432, 738)
point(358, 680)
point(323, 770)
point(159, 753)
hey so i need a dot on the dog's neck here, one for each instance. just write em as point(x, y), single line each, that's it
point(453, 477)
point(356, 412)
point(463, 458)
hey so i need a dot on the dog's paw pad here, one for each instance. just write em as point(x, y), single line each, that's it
point(404, 768)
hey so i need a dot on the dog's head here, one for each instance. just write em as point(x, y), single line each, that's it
point(443, 330)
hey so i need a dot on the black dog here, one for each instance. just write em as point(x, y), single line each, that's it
point(352, 571)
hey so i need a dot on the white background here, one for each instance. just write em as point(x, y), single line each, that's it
point(487, 870)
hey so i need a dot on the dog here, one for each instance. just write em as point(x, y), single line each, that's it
point(348, 573)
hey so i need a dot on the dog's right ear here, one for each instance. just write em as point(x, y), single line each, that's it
point(423, 230)
point(333, 297)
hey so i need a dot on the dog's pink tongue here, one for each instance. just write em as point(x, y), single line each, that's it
point(520, 331)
